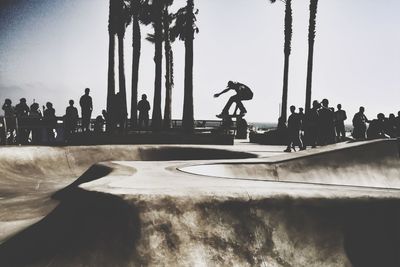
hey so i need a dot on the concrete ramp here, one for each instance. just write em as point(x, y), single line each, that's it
point(133, 206)
point(370, 164)
point(29, 176)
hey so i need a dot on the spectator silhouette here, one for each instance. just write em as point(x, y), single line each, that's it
point(301, 115)
point(376, 128)
point(143, 107)
point(311, 124)
point(243, 92)
point(360, 124)
point(390, 126)
point(9, 114)
point(50, 121)
point(35, 115)
point(98, 124)
point(294, 126)
point(340, 117)
point(326, 123)
point(71, 120)
point(397, 123)
point(86, 108)
point(22, 111)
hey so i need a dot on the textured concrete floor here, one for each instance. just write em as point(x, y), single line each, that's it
point(242, 205)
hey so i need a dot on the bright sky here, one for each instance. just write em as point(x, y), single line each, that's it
point(50, 50)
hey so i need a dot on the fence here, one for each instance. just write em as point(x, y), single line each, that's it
point(28, 130)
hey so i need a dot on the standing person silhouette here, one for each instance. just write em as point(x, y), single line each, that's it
point(86, 108)
point(143, 107)
point(9, 114)
point(243, 92)
point(311, 124)
point(397, 122)
point(326, 123)
point(50, 120)
point(340, 117)
point(71, 119)
point(294, 127)
point(360, 124)
point(35, 115)
point(22, 111)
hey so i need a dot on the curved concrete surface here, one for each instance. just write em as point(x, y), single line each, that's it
point(146, 212)
point(30, 175)
point(371, 164)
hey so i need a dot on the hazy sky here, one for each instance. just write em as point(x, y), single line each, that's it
point(50, 50)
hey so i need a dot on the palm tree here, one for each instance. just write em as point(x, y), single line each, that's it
point(311, 39)
point(136, 47)
point(185, 28)
point(112, 25)
point(287, 49)
point(167, 19)
point(169, 71)
point(156, 14)
point(123, 19)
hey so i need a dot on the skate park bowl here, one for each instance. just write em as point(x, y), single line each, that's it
point(200, 206)
point(375, 165)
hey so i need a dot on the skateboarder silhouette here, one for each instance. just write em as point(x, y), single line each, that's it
point(243, 92)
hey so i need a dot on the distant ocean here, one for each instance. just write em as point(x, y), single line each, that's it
point(263, 125)
point(270, 125)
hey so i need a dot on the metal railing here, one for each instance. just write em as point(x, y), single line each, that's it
point(28, 130)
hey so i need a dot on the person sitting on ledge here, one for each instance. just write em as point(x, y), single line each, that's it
point(243, 92)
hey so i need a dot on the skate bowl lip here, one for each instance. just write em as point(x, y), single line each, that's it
point(285, 168)
point(34, 166)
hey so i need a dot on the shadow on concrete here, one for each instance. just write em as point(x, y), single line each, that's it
point(95, 172)
point(191, 153)
point(86, 229)
point(365, 233)
point(372, 234)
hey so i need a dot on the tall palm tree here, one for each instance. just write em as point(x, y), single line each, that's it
point(185, 28)
point(169, 71)
point(287, 50)
point(167, 19)
point(112, 29)
point(311, 39)
point(136, 49)
point(156, 15)
point(122, 12)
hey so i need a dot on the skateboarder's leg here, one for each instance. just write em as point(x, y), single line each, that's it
point(239, 104)
point(231, 100)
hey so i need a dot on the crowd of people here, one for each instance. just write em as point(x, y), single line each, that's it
point(25, 124)
point(323, 125)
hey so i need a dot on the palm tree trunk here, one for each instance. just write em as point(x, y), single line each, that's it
point(156, 116)
point(121, 70)
point(285, 88)
point(287, 49)
point(111, 56)
point(188, 117)
point(111, 73)
point(136, 43)
point(168, 83)
point(311, 39)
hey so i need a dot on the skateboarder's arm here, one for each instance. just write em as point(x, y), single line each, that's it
point(223, 92)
